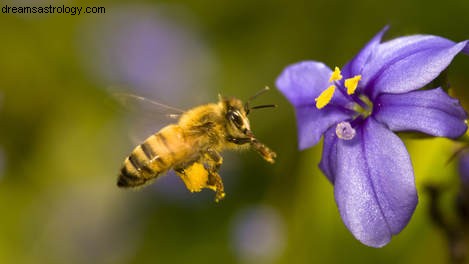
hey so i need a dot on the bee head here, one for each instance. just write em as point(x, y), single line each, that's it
point(237, 114)
point(237, 118)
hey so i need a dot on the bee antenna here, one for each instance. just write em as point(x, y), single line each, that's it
point(262, 91)
point(264, 106)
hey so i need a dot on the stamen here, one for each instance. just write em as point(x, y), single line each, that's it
point(345, 131)
point(325, 97)
point(335, 76)
point(352, 83)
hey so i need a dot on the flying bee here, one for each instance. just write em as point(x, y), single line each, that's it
point(192, 146)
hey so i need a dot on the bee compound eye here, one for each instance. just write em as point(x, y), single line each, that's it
point(236, 118)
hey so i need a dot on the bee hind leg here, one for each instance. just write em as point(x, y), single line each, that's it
point(213, 159)
point(194, 176)
point(203, 174)
point(215, 183)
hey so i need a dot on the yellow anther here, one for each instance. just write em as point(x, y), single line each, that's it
point(335, 76)
point(352, 83)
point(325, 97)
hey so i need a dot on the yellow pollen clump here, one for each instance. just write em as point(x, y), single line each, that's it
point(196, 177)
point(325, 97)
point(335, 76)
point(352, 83)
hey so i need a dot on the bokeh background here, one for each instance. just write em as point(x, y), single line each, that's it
point(63, 134)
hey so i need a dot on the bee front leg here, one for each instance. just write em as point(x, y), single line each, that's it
point(239, 141)
point(264, 151)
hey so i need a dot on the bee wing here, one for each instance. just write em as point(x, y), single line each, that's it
point(131, 100)
point(146, 116)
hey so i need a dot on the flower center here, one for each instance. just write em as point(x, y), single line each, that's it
point(350, 84)
point(364, 108)
point(360, 106)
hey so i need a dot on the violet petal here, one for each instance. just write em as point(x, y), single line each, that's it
point(374, 184)
point(312, 123)
point(302, 82)
point(416, 70)
point(328, 161)
point(398, 48)
point(408, 63)
point(355, 66)
point(429, 111)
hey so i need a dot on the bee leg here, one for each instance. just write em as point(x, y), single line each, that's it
point(216, 184)
point(264, 151)
point(214, 160)
point(239, 141)
point(195, 176)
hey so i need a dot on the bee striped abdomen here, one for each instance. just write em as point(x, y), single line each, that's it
point(148, 160)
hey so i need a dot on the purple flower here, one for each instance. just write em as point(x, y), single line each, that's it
point(356, 110)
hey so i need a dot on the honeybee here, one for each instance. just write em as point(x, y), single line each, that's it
point(192, 146)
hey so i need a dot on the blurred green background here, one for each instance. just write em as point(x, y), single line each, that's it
point(63, 135)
